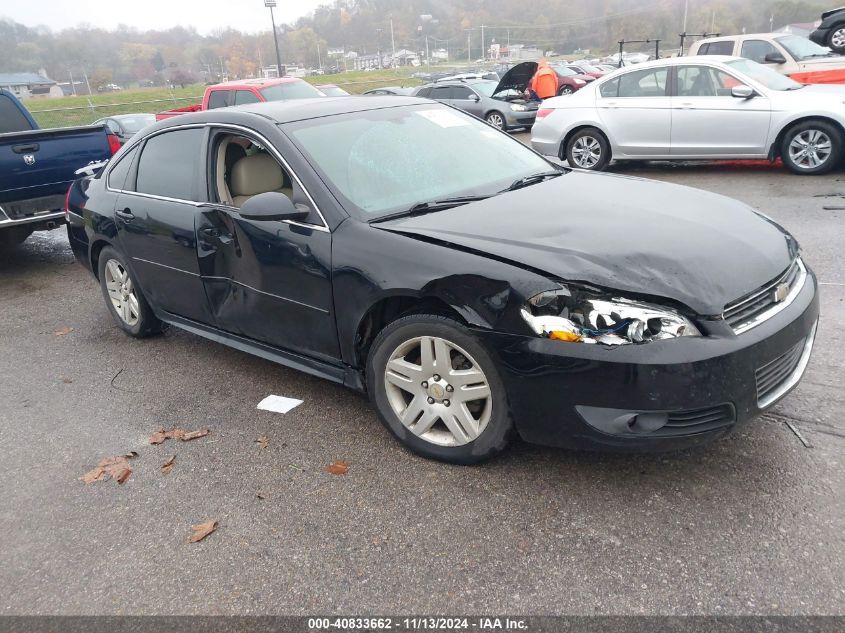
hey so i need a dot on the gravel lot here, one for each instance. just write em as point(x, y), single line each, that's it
point(754, 524)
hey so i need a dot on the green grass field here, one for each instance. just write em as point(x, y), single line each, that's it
point(70, 111)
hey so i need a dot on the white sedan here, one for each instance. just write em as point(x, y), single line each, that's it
point(695, 108)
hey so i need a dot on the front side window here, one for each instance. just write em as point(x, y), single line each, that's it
point(756, 50)
point(169, 164)
point(245, 96)
point(650, 82)
point(703, 81)
point(461, 92)
point(383, 161)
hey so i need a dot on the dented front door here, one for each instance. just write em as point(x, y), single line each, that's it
point(269, 281)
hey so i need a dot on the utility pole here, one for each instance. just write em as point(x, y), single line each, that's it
point(469, 46)
point(319, 57)
point(87, 83)
point(270, 4)
point(686, 13)
point(392, 44)
point(483, 51)
point(72, 85)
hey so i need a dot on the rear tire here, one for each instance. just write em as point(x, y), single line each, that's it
point(126, 302)
point(812, 148)
point(565, 91)
point(836, 39)
point(448, 403)
point(588, 149)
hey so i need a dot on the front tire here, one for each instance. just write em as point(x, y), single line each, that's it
point(588, 149)
point(812, 148)
point(836, 39)
point(497, 120)
point(437, 390)
point(126, 303)
point(565, 91)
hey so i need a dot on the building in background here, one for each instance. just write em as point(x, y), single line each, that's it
point(29, 85)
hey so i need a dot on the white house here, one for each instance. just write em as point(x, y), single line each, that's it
point(29, 85)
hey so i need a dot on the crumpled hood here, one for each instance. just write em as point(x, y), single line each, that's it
point(628, 234)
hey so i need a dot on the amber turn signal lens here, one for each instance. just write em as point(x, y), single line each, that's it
point(569, 337)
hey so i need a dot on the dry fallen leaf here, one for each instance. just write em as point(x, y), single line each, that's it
point(167, 466)
point(176, 434)
point(338, 467)
point(258, 495)
point(64, 330)
point(201, 530)
point(117, 468)
point(67, 380)
point(263, 442)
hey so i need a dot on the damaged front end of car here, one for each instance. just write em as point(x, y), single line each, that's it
point(590, 316)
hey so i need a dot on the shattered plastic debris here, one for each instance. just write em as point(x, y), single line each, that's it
point(201, 530)
point(116, 467)
point(63, 331)
point(176, 434)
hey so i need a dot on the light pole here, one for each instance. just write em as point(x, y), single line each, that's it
point(270, 4)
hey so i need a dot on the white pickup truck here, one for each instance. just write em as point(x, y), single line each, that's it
point(792, 55)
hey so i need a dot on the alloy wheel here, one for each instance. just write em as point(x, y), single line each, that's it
point(586, 152)
point(810, 149)
point(837, 39)
point(438, 391)
point(122, 293)
point(566, 90)
point(496, 120)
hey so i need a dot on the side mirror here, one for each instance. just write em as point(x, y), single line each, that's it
point(775, 58)
point(271, 206)
point(743, 92)
point(475, 98)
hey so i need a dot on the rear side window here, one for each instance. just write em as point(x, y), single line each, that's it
point(169, 164)
point(440, 92)
point(424, 93)
point(11, 119)
point(118, 173)
point(725, 47)
point(756, 50)
point(650, 82)
point(218, 99)
point(245, 96)
point(610, 89)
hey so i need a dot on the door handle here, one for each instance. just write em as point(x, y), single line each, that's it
point(26, 149)
point(126, 214)
point(215, 234)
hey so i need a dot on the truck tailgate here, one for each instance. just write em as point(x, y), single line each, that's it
point(40, 164)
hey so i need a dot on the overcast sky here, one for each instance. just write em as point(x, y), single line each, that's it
point(205, 15)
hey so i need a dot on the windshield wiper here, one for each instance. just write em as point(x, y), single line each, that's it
point(421, 208)
point(533, 179)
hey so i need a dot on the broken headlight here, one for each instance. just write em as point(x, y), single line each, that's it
point(587, 318)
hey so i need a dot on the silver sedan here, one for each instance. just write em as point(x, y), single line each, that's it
point(696, 108)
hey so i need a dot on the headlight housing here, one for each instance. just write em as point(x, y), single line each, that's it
point(583, 317)
point(518, 107)
point(580, 82)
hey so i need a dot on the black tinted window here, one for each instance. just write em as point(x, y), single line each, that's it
point(169, 164)
point(725, 47)
point(11, 119)
point(218, 99)
point(440, 92)
point(424, 93)
point(118, 173)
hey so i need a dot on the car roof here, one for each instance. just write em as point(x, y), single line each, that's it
point(300, 109)
point(682, 61)
point(744, 36)
point(255, 82)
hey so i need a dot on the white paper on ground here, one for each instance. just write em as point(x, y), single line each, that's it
point(279, 404)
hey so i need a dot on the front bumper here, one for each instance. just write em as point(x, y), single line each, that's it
point(521, 119)
point(560, 393)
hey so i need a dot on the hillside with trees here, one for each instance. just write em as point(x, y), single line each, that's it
point(181, 54)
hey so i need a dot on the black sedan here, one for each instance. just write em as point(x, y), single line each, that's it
point(473, 289)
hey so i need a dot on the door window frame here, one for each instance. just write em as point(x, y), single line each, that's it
point(215, 128)
point(673, 76)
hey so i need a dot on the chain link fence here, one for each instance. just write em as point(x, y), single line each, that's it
point(85, 115)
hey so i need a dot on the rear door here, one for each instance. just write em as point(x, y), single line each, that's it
point(636, 110)
point(708, 121)
point(156, 214)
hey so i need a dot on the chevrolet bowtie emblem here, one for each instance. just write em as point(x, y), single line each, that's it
point(781, 293)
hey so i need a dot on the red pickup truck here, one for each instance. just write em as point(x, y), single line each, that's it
point(234, 93)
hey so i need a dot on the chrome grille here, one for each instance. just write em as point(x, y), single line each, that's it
point(753, 309)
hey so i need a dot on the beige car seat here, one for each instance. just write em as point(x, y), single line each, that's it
point(256, 174)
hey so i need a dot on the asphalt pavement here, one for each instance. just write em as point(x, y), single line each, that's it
point(754, 524)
